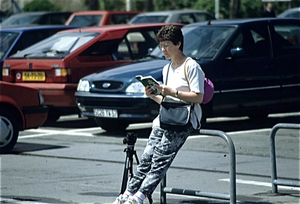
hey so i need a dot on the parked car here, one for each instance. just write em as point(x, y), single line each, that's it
point(40, 18)
point(55, 65)
point(17, 38)
point(252, 62)
point(290, 13)
point(21, 108)
point(100, 18)
point(174, 16)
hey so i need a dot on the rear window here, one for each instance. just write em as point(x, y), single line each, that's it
point(21, 20)
point(58, 45)
point(120, 18)
point(86, 20)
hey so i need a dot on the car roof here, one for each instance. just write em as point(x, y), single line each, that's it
point(114, 27)
point(242, 21)
point(172, 12)
point(39, 13)
point(104, 12)
point(33, 27)
point(286, 12)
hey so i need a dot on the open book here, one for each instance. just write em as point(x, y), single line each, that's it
point(148, 81)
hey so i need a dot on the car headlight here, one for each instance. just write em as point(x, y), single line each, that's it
point(135, 87)
point(83, 85)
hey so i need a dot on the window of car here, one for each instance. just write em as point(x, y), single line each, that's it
point(57, 45)
point(204, 42)
point(203, 17)
point(287, 38)
point(22, 20)
point(136, 44)
point(120, 18)
point(254, 40)
point(86, 20)
point(31, 37)
point(6, 41)
point(186, 18)
point(150, 19)
point(58, 18)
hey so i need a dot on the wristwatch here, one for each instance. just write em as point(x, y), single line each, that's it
point(176, 94)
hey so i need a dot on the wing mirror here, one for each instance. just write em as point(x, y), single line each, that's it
point(237, 52)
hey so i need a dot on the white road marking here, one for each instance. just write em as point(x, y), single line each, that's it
point(259, 183)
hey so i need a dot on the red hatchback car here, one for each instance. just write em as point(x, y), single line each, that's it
point(55, 65)
point(100, 18)
point(20, 108)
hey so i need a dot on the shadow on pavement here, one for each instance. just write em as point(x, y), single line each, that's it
point(223, 124)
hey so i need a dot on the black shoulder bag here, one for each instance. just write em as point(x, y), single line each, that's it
point(175, 115)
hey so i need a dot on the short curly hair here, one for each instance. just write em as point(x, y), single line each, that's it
point(172, 33)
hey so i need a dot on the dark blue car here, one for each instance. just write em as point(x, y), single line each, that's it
point(253, 63)
point(16, 38)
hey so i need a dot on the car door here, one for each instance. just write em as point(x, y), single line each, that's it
point(286, 41)
point(249, 80)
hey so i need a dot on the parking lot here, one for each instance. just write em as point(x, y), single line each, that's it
point(74, 161)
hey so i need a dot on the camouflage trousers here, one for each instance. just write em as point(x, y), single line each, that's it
point(160, 151)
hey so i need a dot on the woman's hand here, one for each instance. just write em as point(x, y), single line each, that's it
point(149, 91)
point(165, 90)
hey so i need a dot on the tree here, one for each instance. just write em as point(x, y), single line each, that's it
point(234, 8)
point(92, 4)
point(41, 5)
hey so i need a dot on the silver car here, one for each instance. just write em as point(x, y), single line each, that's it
point(174, 16)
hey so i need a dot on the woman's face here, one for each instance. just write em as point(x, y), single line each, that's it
point(168, 48)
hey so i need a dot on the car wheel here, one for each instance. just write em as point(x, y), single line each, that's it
point(8, 131)
point(111, 124)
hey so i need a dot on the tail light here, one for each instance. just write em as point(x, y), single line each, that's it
point(61, 74)
point(7, 73)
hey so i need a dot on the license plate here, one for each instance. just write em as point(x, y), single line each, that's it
point(33, 76)
point(106, 113)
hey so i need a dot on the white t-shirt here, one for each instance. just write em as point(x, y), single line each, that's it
point(177, 80)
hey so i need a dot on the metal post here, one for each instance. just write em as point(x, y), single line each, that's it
point(163, 195)
point(232, 171)
point(275, 181)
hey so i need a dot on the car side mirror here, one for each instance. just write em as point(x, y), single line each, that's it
point(237, 52)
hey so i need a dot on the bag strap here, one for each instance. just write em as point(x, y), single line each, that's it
point(168, 73)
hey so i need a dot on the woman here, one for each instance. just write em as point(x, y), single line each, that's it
point(163, 144)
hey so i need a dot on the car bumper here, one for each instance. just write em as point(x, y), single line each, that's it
point(35, 116)
point(56, 95)
point(133, 108)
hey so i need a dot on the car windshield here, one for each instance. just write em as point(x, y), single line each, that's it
point(202, 42)
point(58, 45)
point(6, 41)
point(150, 19)
point(86, 20)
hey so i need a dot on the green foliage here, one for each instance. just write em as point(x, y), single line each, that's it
point(41, 5)
point(111, 5)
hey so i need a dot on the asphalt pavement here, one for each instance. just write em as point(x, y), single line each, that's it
point(50, 165)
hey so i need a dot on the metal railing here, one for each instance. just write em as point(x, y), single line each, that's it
point(275, 181)
point(232, 173)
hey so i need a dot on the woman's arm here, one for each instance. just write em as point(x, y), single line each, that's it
point(191, 97)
